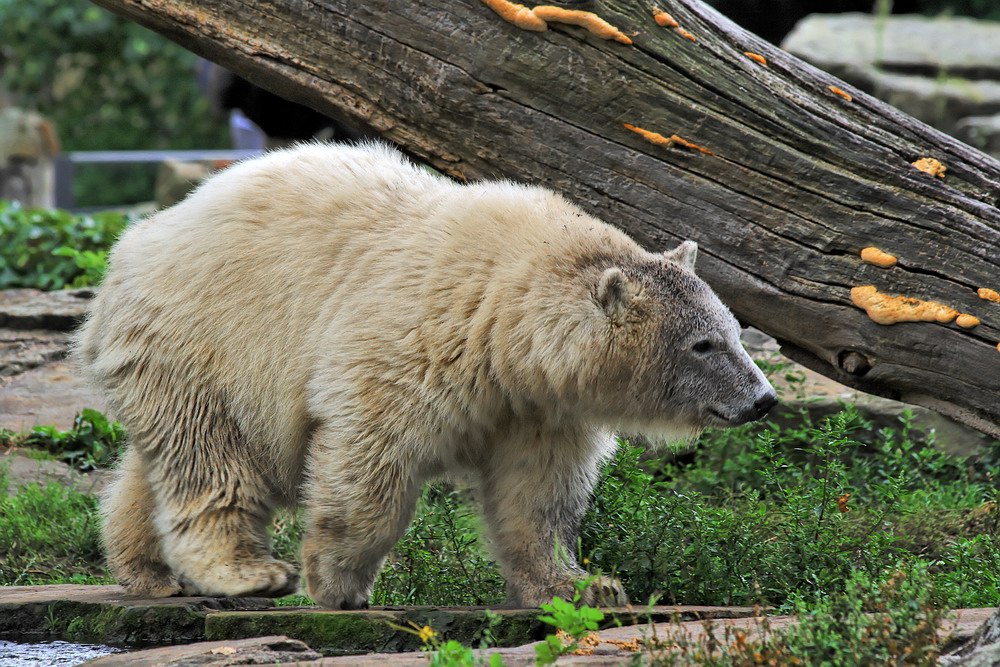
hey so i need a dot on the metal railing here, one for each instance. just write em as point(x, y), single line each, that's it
point(65, 164)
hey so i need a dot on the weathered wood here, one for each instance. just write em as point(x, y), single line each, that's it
point(800, 180)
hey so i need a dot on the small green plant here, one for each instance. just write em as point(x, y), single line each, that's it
point(452, 653)
point(93, 442)
point(572, 620)
point(441, 559)
point(53, 249)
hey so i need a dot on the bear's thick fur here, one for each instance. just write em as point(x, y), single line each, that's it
point(332, 326)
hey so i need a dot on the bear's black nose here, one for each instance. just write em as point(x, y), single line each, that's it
point(764, 404)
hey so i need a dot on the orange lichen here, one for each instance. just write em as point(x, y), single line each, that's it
point(685, 34)
point(664, 19)
point(988, 294)
point(690, 144)
point(588, 20)
point(630, 645)
point(872, 255)
point(519, 15)
point(652, 137)
point(998, 347)
point(660, 140)
point(967, 321)
point(885, 309)
point(837, 91)
point(929, 165)
point(756, 57)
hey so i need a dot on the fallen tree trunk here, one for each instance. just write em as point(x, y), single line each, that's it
point(798, 178)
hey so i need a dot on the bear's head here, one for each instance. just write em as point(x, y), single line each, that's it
point(671, 358)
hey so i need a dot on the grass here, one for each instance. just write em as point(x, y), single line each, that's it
point(757, 515)
point(49, 534)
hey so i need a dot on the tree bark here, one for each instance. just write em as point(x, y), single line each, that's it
point(799, 180)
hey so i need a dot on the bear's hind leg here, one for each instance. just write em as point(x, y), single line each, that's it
point(535, 490)
point(131, 542)
point(215, 498)
point(360, 497)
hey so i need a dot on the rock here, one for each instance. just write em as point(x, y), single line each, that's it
point(912, 44)
point(104, 614)
point(939, 70)
point(982, 132)
point(61, 310)
point(23, 469)
point(981, 650)
point(37, 385)
point(941, 102)
point(271, 650)
point(176, 179)
point(52, 394)
point(23, 350)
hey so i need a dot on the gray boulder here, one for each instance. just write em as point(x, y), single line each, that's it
point(940, 70)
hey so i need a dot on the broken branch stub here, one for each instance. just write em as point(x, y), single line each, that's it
point(804, 173)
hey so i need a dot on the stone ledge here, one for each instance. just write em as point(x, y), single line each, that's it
point(34, 309)
point(104, 614)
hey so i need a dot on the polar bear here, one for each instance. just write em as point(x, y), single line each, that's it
point(331, 326)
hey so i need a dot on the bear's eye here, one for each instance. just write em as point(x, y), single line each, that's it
point(703, 347)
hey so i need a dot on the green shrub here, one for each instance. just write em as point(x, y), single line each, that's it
point(93, 442)
point(37, 243)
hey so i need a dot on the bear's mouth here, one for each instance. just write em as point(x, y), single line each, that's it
point(712, 412)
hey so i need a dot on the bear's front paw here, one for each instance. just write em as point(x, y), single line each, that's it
point(270, 578)
point(604, 592)
point(338, 589)
point(601, 592)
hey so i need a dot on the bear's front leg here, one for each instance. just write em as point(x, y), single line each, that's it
point(361, 492)
point(535, 490)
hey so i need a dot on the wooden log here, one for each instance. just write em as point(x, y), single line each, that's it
point(799, 178)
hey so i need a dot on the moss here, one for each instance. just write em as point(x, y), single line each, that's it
point(330, 633)
point(106, 624)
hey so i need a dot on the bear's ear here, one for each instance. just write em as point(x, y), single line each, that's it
point(685, 254)
point(614, 292)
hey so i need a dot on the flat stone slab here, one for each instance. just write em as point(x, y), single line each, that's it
point(23, 469)
point(273, 650)
point(377, 629)
point(21, 350)
point(106, 615)
point(617, 646)
point(910, 43)
point(61, 310)
point(50, 395)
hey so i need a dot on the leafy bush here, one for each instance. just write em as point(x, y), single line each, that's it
point(93, 442)
point(38, 241)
